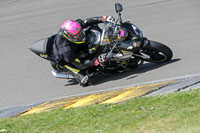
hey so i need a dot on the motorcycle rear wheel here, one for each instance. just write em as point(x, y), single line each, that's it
point(55, 66)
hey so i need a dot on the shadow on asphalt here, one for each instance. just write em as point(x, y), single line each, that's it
point(133, 73)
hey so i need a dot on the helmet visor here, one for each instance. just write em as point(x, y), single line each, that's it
point(78, 38)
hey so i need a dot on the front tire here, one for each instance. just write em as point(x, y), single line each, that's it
point(157, 52)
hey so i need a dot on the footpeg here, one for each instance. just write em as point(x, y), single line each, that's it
point(62, 75)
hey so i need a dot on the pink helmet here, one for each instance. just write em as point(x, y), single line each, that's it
point(73, 31)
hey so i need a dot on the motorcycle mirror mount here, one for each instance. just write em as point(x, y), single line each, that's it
point(119, 8)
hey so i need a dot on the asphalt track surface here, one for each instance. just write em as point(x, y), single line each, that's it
point(26, 79)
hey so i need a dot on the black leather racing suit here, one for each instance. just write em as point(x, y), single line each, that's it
point(66, 52)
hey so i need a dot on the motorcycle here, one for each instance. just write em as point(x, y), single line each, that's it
point(121, 44)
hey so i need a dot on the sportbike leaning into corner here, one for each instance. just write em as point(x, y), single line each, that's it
point(82, 50)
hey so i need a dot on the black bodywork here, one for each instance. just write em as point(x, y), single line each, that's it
point(131, 31)
point(43, 48)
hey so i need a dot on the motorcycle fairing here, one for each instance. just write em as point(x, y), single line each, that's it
point(133, 31)
point(40, 46)
point(126, 45)
point(43, 48)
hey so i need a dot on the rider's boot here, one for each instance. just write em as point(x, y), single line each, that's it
point(82, 78)
point(79, 75)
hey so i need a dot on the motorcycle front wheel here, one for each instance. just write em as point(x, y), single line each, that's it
point(157, 52)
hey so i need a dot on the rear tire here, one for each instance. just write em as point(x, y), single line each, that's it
point(55, 66)
point(158, 52)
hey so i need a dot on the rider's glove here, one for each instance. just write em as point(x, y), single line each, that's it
point(108, 19)
point(99, 61)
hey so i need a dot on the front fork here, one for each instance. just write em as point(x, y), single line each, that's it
point(140, 53)
point(146, 43)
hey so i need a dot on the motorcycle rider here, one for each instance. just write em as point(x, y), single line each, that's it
point(70, 41)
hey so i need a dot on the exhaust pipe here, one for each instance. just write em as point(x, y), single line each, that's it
point(62, 75)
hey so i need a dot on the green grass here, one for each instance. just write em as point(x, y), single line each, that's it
point(177, 112)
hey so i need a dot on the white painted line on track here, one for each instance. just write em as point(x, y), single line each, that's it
point(115, 88)
point(126, 86)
